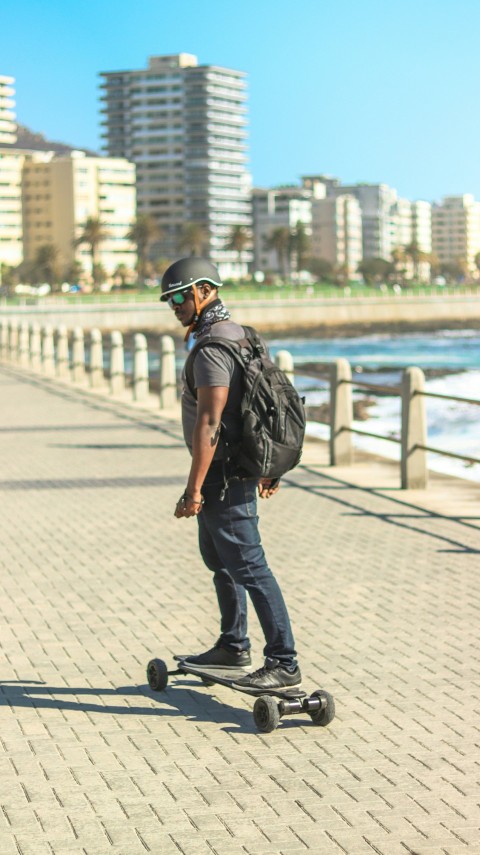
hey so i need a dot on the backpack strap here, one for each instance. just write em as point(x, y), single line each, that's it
point(234, 347)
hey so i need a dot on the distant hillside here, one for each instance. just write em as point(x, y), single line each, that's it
point(39, 142)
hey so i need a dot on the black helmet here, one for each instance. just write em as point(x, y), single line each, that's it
point(187, 272)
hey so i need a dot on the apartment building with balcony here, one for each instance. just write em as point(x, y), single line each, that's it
point(337, 232)
point(8, 127)
point(456, 231)
point(11, 162)
point(276, 208)
point(59, 194)
point(184, 126)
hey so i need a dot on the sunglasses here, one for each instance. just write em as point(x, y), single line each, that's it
point(178, 298)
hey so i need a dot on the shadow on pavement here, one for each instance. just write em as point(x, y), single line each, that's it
point(324, 491)
point(179, 699)
point(89, 483)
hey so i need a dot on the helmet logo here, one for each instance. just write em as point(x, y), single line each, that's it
point(175, 284)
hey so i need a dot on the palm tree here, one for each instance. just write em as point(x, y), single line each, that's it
point(239, 239)
point(417, 255)
point(477, 261)
point(280, 241)
point(93, 234)
point(144, 231)
point(300, 244)
point(398, 258)
point(193, 238)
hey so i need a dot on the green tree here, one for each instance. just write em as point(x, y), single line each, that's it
point(375, 269)
point(93, 234)
point(321, 268)
point(300, 245)
point(143, 233)
point(453, 271)
point(45, 266)
point(74, 272)
point(399, 261)
point(123, 273)
point(416, 256)
point(193, 239)
point(238, 241)
point(477, 260)
point(279, 240)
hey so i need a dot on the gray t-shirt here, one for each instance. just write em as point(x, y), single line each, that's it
point(214, 366)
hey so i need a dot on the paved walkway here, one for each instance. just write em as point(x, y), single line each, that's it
point(97, 576)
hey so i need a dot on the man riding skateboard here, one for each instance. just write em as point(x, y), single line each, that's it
point(224, 501)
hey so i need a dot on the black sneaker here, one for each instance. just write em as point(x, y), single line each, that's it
point(220, 657)
point(273, 676)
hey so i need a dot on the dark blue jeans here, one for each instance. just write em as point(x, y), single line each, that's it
point(231, 548)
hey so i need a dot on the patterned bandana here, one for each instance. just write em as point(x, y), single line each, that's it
point(212, 314)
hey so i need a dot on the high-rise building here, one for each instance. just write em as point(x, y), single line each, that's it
point(8, 127)
point(456, 231)
point(379, 217)
point(10, 178)
point(184, 126)
point(11, 228)
point(337, 232)
point(61, 193)
point(278, 208)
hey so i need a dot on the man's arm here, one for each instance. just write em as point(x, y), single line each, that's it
point(211, 402)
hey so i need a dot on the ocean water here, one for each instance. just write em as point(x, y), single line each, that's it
point(380, 359)
point(452, 426)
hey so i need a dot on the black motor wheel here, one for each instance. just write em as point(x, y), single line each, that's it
point(266, 713)
point(326, 713)
point(157, 675)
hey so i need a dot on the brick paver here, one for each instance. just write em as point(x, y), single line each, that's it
point(97, 576)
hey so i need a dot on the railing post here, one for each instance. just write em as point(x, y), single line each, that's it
point(168, 379)
point(48, 352)
point(63, 356)
point(414, 431)
point(341, 413)
point(96, 359)
point(78, 356)
point(284, 360)
point(23, 344)
point(117, 363)
point(140, 368)
point(12, 340)
point(35, 348)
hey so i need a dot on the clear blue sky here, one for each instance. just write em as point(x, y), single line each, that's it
point(368, 91)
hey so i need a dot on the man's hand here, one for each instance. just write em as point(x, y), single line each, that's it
point(268, 487)
point(189, 506)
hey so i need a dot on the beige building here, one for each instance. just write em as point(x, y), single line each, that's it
point(456, 230)
point(8, 127)
point(11, 163)
point(61, 192)
point(279, 207)
point(11, 229)
point(184, 125)
point(337, 232)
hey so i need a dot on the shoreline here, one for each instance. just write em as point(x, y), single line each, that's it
point(349, 330)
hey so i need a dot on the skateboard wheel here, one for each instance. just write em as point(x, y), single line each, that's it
point(266, 713)
point(326, 713)
point(207, 682)
point(157, 675)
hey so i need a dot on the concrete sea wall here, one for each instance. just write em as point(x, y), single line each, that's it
point(272, 314)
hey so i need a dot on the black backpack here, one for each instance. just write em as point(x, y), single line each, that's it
point(272, 410)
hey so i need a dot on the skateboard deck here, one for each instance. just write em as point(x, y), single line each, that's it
point(228, 676)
